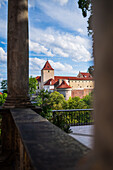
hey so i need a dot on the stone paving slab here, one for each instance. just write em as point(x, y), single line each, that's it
point(83, 134)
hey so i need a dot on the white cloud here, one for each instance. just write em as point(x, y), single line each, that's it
point(38, 48)
point(62, 2)
point(3, 55)
point(3, 28)
point(3, 64)
point(3, 42)
point(68, 17)
point(55, 43)
point(81, 31)
point(34, 3)
point(2, 2)
point(37, 64)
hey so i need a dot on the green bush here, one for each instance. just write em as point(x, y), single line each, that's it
point(3, 98)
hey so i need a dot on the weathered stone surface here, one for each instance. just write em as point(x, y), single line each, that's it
point(103, 104)
point(18, 53)
point(47, 146)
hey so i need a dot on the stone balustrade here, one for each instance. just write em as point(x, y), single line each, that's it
point(35, 143)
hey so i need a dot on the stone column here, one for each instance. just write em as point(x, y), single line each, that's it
point(18, 54)
point(103, 56)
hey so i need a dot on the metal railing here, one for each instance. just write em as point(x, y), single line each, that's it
point(73, 117)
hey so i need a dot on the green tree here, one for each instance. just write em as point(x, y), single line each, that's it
point(91, 70)
point(85, 6)
point(42, 100)
point(2, 98)
point(76, 103)
point(88, 99)
point(57, 101)
point(4, 86)
point(32, 85)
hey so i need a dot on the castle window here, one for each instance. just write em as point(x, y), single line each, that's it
point(48, 71)
point(87, 86)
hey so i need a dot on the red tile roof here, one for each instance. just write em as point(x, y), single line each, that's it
point(50, 82)
point(1, 93)
point(72, 78)
point(63, 85)
point(86, 75)
point(47, 66)
point(56, 78)
point(38, 78)
point(56, 83)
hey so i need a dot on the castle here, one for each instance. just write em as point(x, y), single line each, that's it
point(80, 86)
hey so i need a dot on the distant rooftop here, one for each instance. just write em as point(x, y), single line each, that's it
point(63, 85)
point(47, 66)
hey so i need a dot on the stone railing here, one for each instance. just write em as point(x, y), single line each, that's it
point(34, 143)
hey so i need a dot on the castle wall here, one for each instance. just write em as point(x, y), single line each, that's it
point(81, 93)
point(87, 84)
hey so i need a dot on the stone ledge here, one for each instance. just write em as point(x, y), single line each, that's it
point(47, 146)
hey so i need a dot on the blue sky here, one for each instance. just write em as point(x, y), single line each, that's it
point(57, 32)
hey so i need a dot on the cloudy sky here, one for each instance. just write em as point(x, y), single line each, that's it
point(57, 31)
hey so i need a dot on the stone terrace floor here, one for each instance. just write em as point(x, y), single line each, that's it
point(83, 134)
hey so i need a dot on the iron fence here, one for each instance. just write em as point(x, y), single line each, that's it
point(73, 117)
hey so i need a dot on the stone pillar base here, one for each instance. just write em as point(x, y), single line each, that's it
point(18, 102)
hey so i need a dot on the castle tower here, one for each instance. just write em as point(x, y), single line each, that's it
point(46, 73)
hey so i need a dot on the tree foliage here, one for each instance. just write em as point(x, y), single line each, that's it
point(4, 86)
point(88, 99)
point(76, 103)
point(57, 101)
point(32, 85)
point(2, 98)
point(42, 100)
point(91, 70)
point(85, 6)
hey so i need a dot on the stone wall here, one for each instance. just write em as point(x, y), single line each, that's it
point(87, 84)
point(81, 93)
point(46, 75)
